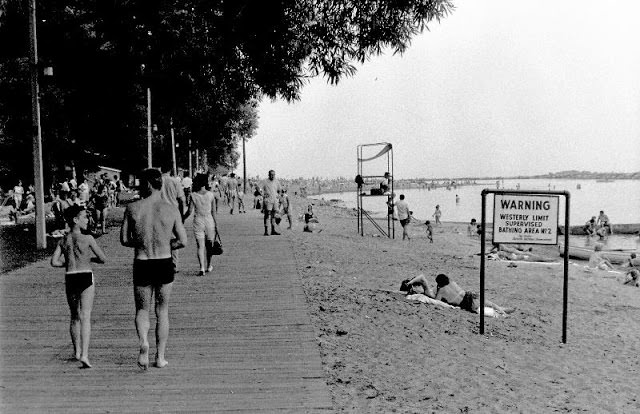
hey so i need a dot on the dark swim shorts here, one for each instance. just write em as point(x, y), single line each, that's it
point(153, 272)
point(76, 283)
point(404, 222)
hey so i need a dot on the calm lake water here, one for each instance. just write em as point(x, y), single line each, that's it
point(619, 199)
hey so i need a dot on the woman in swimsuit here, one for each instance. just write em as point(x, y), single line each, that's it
point(203, 204)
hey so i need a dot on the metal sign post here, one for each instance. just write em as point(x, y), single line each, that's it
point(528, 217)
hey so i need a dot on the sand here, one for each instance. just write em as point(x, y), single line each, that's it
point(384, 354)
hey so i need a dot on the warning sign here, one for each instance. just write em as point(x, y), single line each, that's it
point(529, 219)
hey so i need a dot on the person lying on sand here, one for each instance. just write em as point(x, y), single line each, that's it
point(449, 292)
point(417, 285)
point(418, 289)
point(518, 248)
point(524, 257)
point(596, 261)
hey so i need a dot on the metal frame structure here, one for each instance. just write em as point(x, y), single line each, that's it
point(567, 197)
point(370, 179)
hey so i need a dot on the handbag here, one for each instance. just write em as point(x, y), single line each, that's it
point(214, 248)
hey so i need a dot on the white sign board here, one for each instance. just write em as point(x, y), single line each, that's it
point(527, 219)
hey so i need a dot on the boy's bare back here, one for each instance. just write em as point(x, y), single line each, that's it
point(78, 249)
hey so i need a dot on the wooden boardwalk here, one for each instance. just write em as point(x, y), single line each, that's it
point(240, 338)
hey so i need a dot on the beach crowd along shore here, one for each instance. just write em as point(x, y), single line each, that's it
point(385, 354)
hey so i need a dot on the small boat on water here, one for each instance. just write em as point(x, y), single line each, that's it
point(583, 253)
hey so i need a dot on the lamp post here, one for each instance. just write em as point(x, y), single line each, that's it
point(41, 228)
point(173, 147)
point(149, 132)
point(244, 165)
point(190, 165)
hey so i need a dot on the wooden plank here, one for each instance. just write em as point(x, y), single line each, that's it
point(240, 341)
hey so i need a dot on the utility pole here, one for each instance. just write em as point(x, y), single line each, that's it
point(149, 132)
point(190, 165)
point(244, 165)
point(173, 148)
point(41, 226)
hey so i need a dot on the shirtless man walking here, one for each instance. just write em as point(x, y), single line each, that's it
point(154, 228)
point(271, 194)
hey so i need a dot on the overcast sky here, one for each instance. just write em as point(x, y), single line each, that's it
point(499, 87)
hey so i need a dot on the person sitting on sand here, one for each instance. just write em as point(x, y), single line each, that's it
point(632, 278)
point(471, 228)
point(75, 251)
point(633, 261)
point(449, 292)
point(309, 220)
point(596, 261)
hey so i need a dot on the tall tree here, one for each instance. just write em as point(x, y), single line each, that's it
point(207, 63)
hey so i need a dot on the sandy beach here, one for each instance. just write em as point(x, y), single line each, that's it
point(383, 353)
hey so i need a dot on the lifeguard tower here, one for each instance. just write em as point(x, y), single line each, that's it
point(375, 185)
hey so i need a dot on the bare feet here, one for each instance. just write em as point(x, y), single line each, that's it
point(210, 269)
point(143, 358)
point(85, 363)
point(161, 363)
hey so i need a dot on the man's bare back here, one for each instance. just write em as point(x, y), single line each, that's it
point(149, 227)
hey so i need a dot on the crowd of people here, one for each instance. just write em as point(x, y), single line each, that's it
point(153, 225)
point(598, 226)
point(96, 196)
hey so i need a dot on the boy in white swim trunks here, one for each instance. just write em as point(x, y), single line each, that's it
point(75, 252)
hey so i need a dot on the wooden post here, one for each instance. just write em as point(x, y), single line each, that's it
point(149, 132)
point(41, 228)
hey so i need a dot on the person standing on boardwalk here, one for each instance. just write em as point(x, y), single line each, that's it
point(203, 204)
point(75, 252)
point(173, 194)
point(232, 191)
point(187, 182)
point(154, 228)
point(402, 207)
point(270, 192)
point(240, 199)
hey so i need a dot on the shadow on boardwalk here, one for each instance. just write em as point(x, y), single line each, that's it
point(241, 338)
